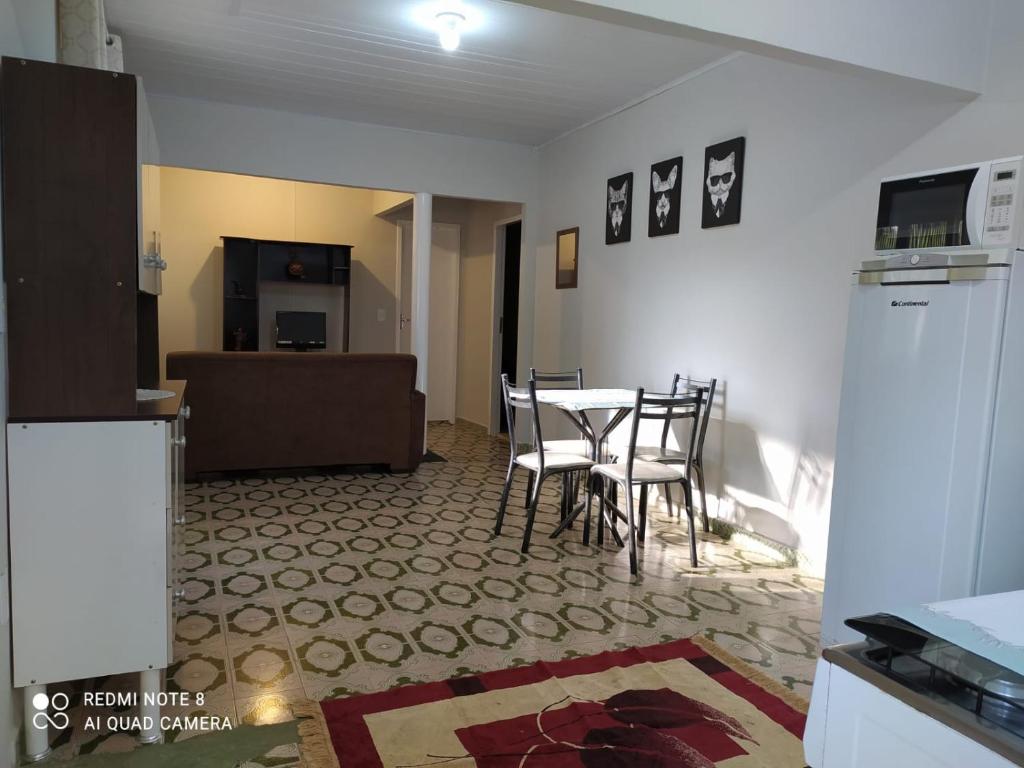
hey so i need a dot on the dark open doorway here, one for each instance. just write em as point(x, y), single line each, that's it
point(508, 323)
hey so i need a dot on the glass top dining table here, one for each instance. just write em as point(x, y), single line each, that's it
point(576, 405)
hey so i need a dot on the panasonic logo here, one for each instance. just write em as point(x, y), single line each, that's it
point(898, 303)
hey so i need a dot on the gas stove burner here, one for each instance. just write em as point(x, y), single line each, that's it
point(1010, 687)
point(991, 678)
point(926, 662)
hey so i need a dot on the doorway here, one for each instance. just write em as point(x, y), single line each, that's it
point(508, 250)
point(443, 322)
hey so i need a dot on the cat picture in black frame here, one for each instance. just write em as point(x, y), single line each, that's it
point(666, 196)
point(618, 224)
point(722, 183)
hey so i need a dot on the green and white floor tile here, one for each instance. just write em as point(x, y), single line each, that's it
point(325, 585)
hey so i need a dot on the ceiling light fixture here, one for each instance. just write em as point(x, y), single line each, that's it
point(449, 29)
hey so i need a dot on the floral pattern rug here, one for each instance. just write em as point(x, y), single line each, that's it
point(684, 704)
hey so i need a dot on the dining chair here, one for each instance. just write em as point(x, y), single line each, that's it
point(580, 447)
point(693, 455)
point(637, 472)
point(562, 380)
point(540, 464)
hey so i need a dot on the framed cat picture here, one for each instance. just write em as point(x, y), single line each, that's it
point(723, 183)
point(618, 223)
point(666, 194)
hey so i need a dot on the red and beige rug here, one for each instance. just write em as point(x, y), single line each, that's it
point(685, 704)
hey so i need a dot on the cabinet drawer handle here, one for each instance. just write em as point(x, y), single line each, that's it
point(180, 519)
point(179, 593)
point(187, 412)
point(180, 442)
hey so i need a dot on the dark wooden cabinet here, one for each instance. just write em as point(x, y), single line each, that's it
point(70, 239)
point(249, 262)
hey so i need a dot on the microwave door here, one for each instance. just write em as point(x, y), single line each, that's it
point(930, 211)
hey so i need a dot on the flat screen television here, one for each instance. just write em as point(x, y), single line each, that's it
point(302, 330)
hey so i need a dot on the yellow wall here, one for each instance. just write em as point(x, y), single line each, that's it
point(197, 207)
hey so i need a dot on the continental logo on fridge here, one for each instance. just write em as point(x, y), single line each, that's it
point(909, 303)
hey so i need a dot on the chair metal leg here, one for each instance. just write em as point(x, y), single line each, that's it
point(703, 498)
point(687, 499)
point(504, 498)
point(586, 512)
point(642, 530)
point(693, 536)
point(531, 513)
point(529, 491)
point(631, 532)
point(561, 501)
point(668, 498)
point(568, 495)
point(599, 483)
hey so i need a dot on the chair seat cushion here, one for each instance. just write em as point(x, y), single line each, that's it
point(643, 472)
point(577, 447)
point(554, 461)
point(657, 453)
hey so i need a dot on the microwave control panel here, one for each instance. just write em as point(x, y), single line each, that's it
point(1003, 186)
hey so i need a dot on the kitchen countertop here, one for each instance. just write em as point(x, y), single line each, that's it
point(145, 410)
point(161, 410)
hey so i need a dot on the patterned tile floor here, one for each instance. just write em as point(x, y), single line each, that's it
point(325, 585)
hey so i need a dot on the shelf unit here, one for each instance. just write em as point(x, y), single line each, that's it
point(248, 262)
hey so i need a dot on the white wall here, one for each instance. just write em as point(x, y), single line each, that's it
point(221, 137)
point(475, 379)
point(761, 305)
point(939, 41)
point(475, 382)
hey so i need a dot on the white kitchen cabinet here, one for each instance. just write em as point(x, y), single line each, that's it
point(96, 515)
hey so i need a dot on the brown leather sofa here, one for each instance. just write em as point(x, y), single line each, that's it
point(268, 410)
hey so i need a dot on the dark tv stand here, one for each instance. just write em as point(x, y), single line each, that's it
point(249, 262)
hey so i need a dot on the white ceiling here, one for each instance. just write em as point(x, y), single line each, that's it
point(523, 74)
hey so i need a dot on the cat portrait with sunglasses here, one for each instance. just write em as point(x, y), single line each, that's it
point(722, 183)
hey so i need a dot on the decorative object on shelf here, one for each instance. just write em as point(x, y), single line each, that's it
point(295, 269)
point(567, 251)
point(618, 224)
point(240, 336)
point(666, 196)
point(723, 183)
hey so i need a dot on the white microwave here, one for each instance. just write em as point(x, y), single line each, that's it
point(952, 209)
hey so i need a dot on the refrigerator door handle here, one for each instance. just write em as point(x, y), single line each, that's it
point(933, 276)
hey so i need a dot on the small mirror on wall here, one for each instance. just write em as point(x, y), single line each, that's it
point(567, 253)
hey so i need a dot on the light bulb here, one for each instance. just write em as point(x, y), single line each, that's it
point(449, 25)
point(449, 39)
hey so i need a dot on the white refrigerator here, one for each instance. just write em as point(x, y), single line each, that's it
point(928, 497)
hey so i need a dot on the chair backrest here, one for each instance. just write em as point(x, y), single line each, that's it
point(667, 407)
point(689, 413)
point(709, 386)
point(558, 379)
point(522, 400)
